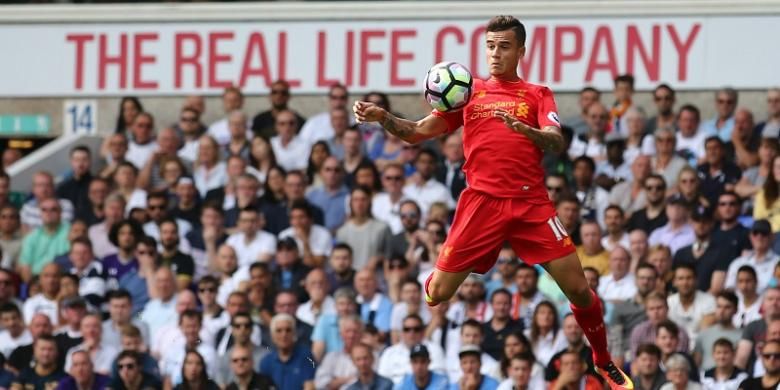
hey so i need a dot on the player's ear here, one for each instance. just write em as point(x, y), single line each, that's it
point(520, 52)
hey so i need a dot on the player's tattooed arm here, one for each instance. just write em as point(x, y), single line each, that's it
point(547, 138)
point(409, 131)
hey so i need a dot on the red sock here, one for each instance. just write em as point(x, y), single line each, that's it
point(591, 320)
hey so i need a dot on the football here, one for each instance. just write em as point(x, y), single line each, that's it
point(448, 86)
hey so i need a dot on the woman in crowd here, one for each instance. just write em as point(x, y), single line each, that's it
point(753, 178)
point(545, 334)
point(689, 186)
point(767, 204)
point(261, 158)
point(209, 173)
point(319, 152)
point(193, 374)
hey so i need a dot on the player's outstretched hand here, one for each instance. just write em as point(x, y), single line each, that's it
point(510, 121)
point(367, 112)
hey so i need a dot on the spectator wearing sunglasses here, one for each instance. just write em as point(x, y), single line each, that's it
point(130, 374)
point(770, 356)
point(762, 258)
point(394, 362)
point(242, 361)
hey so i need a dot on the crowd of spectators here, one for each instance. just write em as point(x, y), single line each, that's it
point(270, 250)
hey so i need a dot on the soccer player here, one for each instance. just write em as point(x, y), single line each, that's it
point(508, 123)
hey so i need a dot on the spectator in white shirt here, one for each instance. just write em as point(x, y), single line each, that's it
point(689, 307)
point(317, 287)
point(319, 126)
point(232, 100)
point(592, 143)
point(614, 221)
point(46, 300)
point(410, 303)
point(101, 353)
point(314, 241)
point(290, 150)
point(161, 310)
point(250, 242)
point(423, 187)
point(471, 333)
point(42, 188)
point(172, 359)
point(619, 284)
point(209, 172)
point(142, 145)
point(748, 309)
point(763, 259)
point(14, 333)
point(394, 362)
point(386, 205)
point(337, 368)
point(690, 139)
point(191, 130)
point(545, 333)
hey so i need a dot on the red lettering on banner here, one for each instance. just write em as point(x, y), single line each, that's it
point(397, 56)
point(193, 60)
point(440, 36)
point(294, 83)
point(367, 56)
point(603, 38)
point(215, 58)
point(349, 72)
point(538, 42)
point(683, 48)
point(476, 49)
point(104, 60)
point(634, 45)
point(80, 40)
point(322, 60)
point(255, 43)
point(139, 59)
point(559, 57)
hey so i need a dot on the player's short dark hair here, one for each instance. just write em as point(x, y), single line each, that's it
point(500, 291)
point(723, 342)
point(10, 307)
point(343, 246)
point(729, 296)
point(692, 109)
point(625, 78)
point(666, 87)
point(302, 205)
point(616, 208)
point(80, 148)
point(507, 22)
point(645, 265)
point(119, 294)
point(590, 89)
point(585, 160)
point(714, 138)
point(650, 349)
point(687, 266)
point(748, 269)
point(670, 327)
point(472, 323)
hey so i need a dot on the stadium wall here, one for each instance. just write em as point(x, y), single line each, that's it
point(571, 44)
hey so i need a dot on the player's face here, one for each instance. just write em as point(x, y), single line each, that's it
point(503, 53)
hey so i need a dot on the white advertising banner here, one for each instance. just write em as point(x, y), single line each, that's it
point(392, 56)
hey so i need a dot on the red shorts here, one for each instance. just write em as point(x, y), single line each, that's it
point(483, 223)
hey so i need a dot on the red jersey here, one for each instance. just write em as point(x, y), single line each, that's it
point(499, 161)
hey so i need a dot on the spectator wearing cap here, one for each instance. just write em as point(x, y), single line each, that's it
point(614, 169)
point(419, 375)
point(394, 361)
point(717, 174)
point(763, 259)
point(363, 358)
point(101, 353)
point(314, 241)
point(470, 364)
point(74, 309)
point(250, 241)
point(337, 368)
point(690, 308)
point(678, 232)
point(325, 335)
point(290, 364)
point(290, 270)
point(706, 255)
point(619, 283)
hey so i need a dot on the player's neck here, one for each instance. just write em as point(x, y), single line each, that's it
point(506, 78)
